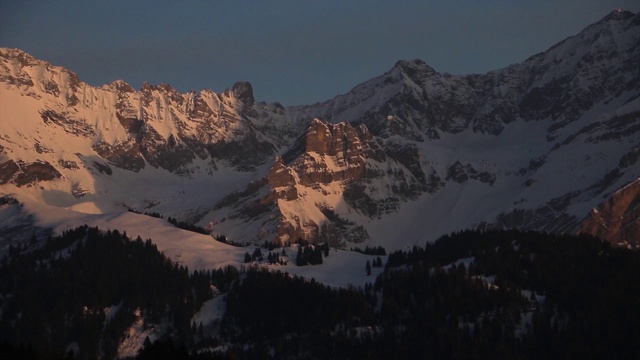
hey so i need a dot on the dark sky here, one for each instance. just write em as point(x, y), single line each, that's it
point(295, 52)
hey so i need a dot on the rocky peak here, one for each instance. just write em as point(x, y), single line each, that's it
point(20, 56)
point(165, 90)
point(618, 14)
point(318, 137)
point(21, 69)
point(146, 87)
point(122, 86)
point(338, 139)
point(161, 88)
point(415, 68)
point(243, 91)
point(328, 152)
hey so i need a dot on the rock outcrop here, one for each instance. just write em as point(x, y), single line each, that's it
point(617, 220)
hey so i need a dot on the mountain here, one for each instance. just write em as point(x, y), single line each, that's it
point(536, 146)
point(399, 160)
point(65, 142)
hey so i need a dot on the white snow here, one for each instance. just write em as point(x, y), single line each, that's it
point(136, 334)
point(210, 311)
point(340, 269)
point(197, 251)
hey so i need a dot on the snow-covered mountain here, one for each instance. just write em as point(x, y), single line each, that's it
point(66, 142)
point(400, 159)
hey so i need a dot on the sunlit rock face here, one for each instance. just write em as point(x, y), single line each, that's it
point(283, 181)
point(21, 174)
point(157, 125)
point(617, 220)
point(331, 153)
point(330, 170)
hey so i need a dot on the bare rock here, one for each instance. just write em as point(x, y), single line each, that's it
point(617, 220)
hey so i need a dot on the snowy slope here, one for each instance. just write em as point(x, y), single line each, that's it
point(194, 250)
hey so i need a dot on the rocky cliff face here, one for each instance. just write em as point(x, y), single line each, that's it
point(330, 170)
point(400, 159)
point(617, 220)
point(156, 126)
point(342, 143)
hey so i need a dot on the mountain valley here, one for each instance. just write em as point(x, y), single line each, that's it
point(421, 213)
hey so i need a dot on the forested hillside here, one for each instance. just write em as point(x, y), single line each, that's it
point(83, 289)
point(498, 294)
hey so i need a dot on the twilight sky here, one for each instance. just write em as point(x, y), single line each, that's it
point(295, 52)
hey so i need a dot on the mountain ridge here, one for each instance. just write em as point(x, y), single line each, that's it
point(535, 145)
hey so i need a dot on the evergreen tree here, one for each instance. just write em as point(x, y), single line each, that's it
point(378, 262)
point(257, 254)
point(301, 259)
point(325, 249)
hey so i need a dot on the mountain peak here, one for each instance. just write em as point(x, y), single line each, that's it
point(414, 67)
point(22, 57)
point(121, 85)
point(614, 16)
point(243, 91)
point(14, 53)
point(415, 63)
point(618, 14)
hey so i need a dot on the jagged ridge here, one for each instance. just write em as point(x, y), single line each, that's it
point(399, 159)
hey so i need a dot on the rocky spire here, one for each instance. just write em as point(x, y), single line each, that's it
point(243, 91)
